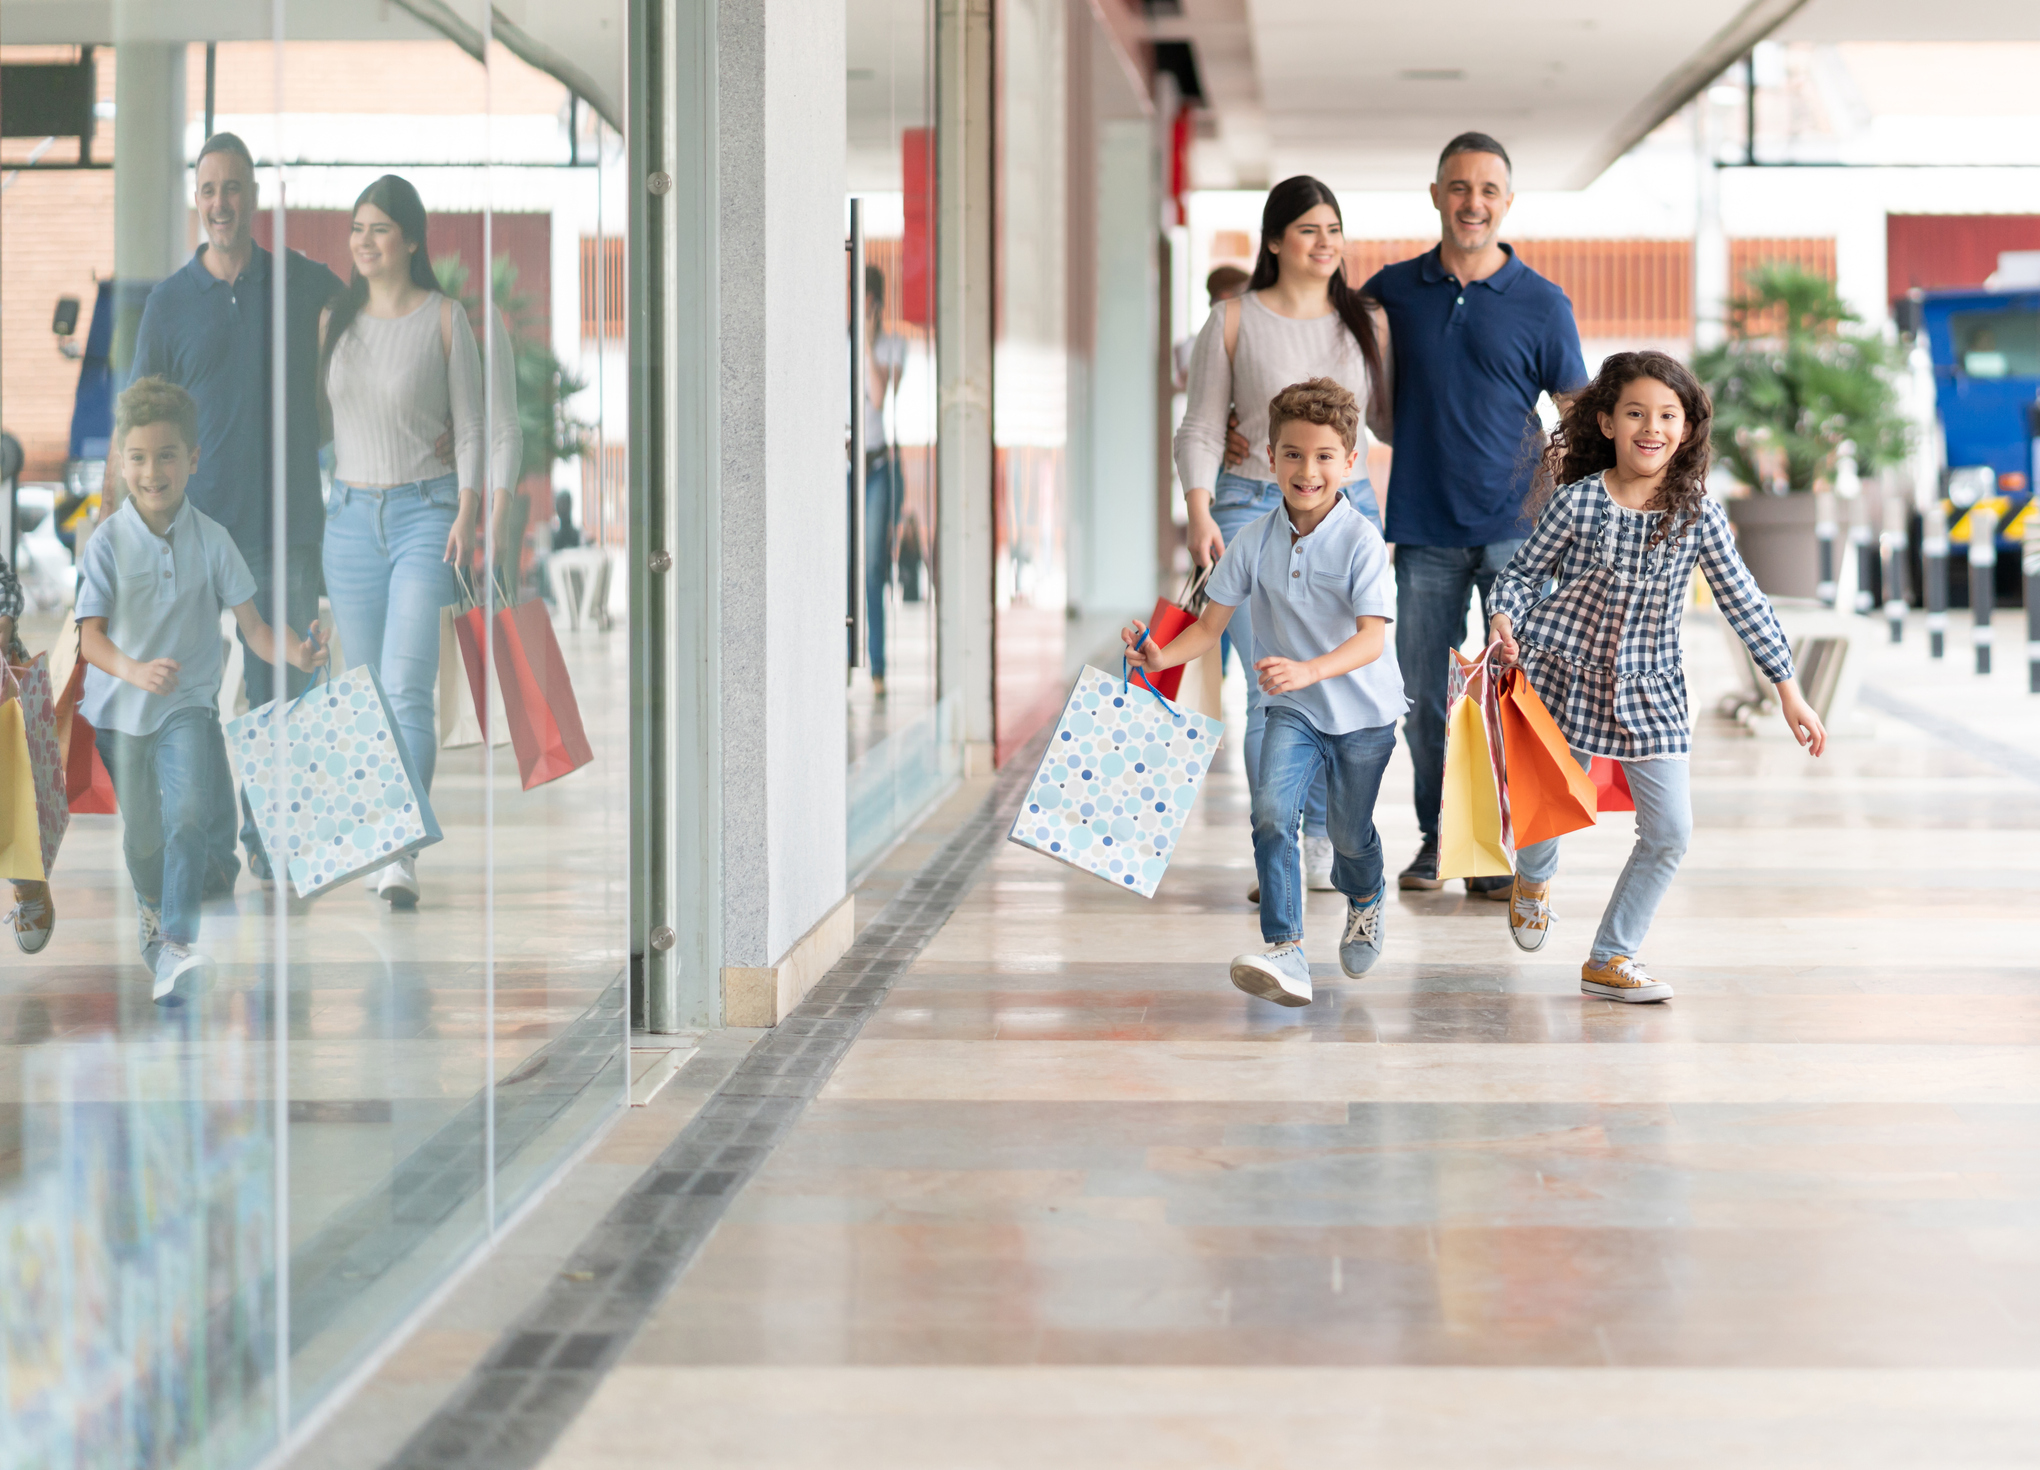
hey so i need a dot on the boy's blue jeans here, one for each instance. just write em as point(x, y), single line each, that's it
point(166, 786)
point(1237, 502)
point(1663, 791)
point(387, 575)
point(1296, 756)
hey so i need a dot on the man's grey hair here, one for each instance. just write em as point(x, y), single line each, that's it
point(1476, 143)
point(230, 144)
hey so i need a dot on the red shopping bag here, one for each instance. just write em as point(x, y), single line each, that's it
point(87, 785)
point(538, 697)
point(1171, 618)
point(1549, 795)
point(1611, 786)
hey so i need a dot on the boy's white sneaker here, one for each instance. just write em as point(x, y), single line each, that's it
point(149, 931)
point(1317, 863)
point(1279, 973)
point(179, 968)
point(399, 883)
point(1361, 945)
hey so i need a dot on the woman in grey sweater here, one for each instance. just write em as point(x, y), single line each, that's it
point(1298, 320)
point(398, 368)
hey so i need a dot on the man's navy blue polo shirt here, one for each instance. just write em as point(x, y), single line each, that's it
point(1469, 364)
point(212, 339)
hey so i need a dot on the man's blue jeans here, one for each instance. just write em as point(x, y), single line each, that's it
point(1433, 590)
point(1663, 791)
point(164, 784)
point(1295, 757)
point(1237, 502)
point(387, 575)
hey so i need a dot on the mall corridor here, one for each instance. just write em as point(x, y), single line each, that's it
point(1068, 1198)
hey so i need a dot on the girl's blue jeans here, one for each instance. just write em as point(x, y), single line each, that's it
point(1663, 792)
point(1237, 502)
point(387, 575)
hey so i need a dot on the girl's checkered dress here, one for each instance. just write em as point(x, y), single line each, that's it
point(1602, 650)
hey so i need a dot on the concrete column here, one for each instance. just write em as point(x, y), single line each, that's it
point(963, 336)
point(1710, 239)
point(1122, 544)
point(779, 129)
point(151, 196)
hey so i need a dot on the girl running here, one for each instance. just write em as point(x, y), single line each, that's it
point(1622, 519)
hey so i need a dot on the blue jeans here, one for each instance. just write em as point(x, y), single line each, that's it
point(1237, 502)
point(1663, 791)
point(881, 525)
point(1295, 758)
point(166, 786)
point(1433, 588)
point(300, 606)
point(387, 575)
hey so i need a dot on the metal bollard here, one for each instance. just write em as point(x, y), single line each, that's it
point(1934, 566)
point(1893, 544)
point(1824, 540)
point(1866, 564)
point(2029, 565)
point(1983, 576)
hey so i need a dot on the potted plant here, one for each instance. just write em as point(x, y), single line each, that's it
point(1796, 380)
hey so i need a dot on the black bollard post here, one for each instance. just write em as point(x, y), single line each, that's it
point(1934, 566)
point(1866, 563)
point(1983, 576)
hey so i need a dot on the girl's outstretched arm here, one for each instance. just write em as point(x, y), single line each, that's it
point(1536, 562)
point(1749, 612)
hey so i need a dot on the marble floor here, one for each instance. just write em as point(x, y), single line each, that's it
point(1071, 1199)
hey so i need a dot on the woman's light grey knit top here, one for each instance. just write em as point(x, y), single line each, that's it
point(395, 389)
point(1271, 353)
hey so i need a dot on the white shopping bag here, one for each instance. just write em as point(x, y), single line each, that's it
point(350, 801)
point(1115, 789)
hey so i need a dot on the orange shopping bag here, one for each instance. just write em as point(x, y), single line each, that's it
point(1549, 795)
point(87, 786)
point(1611, 786)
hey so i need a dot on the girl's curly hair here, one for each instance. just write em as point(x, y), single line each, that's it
point(1578, 448)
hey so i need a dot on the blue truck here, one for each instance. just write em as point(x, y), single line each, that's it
point(1985, 346)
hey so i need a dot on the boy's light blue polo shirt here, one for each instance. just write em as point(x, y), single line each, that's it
point(161, 597)
point(1305, 597)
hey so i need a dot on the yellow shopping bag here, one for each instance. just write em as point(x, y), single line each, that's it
point(20, 827)
point(1470, 843)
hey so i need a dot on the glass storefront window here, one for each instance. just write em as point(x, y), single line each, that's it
point(903, 742)
point(298, 1044)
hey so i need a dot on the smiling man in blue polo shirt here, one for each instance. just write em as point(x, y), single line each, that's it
point(1477, 336)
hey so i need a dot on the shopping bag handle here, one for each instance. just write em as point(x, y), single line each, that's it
point(1192, 598)
point(317, 676)
point(1126, 683)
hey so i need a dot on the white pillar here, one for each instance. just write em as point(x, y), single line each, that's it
point(151, 197)
point(1710, 240)
point(781, 325)
point(1121, 543)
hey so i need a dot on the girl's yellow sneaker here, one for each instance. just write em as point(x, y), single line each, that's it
point(1621, 978)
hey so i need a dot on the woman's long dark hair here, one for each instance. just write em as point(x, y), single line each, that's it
point(1288, 202)
point(1578, 448)
point(395, 197)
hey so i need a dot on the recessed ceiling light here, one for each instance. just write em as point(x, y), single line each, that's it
point(1433, 74)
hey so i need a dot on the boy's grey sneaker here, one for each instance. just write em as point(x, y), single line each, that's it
point(148, 931)
point(1279, 973)
point(179, 968)
point(1365, 928)
point(1317, 863)
point(1422, 872)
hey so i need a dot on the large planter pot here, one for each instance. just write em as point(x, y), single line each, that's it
point(1775, 535)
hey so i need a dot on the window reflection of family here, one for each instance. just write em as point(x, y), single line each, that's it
point(387, 369)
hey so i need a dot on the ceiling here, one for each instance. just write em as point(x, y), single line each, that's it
point(1363, 93)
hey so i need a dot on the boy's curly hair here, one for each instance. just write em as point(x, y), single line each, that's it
point(1578, 448)
point(155, 401)
point(1316, 401)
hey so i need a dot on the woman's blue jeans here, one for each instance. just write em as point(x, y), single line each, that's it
point(1237, 502)
point(1663, 793)
point(1297, 758)
point(387, 575)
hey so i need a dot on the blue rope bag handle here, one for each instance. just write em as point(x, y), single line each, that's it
point(1126, 684)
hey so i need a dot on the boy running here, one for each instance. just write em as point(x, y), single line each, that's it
point(1318, 575)
point(151, 586)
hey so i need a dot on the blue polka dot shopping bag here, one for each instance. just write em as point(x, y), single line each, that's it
point(1114, 792)
point(348, 801)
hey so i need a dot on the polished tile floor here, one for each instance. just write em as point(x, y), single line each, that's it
point(1071, 1199)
